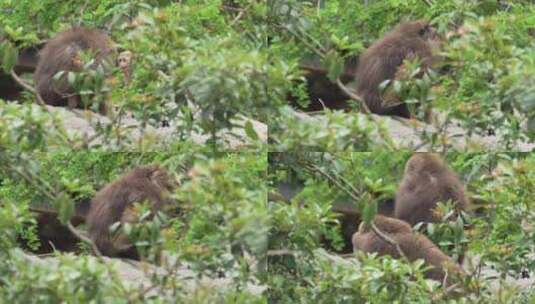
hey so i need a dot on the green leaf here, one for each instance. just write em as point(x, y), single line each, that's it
point(369, 211)
point(9, 57)
point(65, 208)
point(334, 64)
point(250, 131)
point(71, 78)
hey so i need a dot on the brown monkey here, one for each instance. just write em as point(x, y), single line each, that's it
point(414, 246)
point(348, 214)
point(124, 61)
point(115, 203)
point(27, 61)
point(62, 53)
point(350, 217)
point(324, 93)
point(53, 235)
point(383, 58)
point(427, 180)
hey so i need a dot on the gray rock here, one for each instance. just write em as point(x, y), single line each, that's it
point(138, 275)
point(412, 134)
point(81, 124)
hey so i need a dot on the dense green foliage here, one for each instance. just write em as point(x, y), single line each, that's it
point(197, 65)
point(484, 84)
point(220, 225)
point(306, 235)
point(267, 227)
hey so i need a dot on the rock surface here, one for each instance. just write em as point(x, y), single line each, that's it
point(138, 275)
point(83, 124)
point(411, 134)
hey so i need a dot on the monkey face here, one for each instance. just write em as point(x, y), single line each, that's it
point(77, 62)
point(124, 59)
point(430, 35)
point(73, 52)
point(163, 180)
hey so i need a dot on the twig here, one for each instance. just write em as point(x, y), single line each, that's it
point(353, 96)
point(238, 17)
point(387, 239)
point(48, 192)
point(347, 183)
point(315, 168)
point(317, 51)
point(41, 102)
point(29, 88)
point(323, 106)
point(280, 252)
point(82, 9)
point(42, 211)
point(44, 255)
point(84, 238)
point(364, 106)
point(428, 2)
point(52, 245)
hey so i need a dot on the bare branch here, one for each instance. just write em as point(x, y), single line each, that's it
point(389, 240)
point(353, 96)
point(428, 2)
point(29, 88)
point(315, 168)
point(41, 102)
point(84, 238)
point(280, 252)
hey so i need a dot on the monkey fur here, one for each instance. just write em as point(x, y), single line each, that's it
point(383, 58)
point(115, 203)
point(322, 92)
point(52, 234)
point(62, 53)
point(427, 180)
point(414, 246)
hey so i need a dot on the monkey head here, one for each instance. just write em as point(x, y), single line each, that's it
point(74, 53)
point(124, 60)
point(163, 181)
point(420, 28)
point(424, 162)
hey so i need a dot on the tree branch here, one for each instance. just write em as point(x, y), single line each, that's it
point(41, 102)
point(389, 240)
point(28, 87)
point(84, 238)
point(353, 96)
